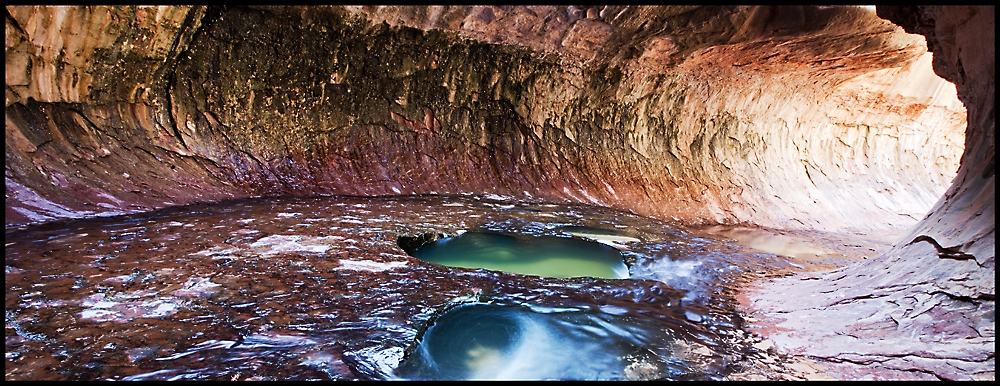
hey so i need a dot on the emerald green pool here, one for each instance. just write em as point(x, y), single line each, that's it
point(551, 256)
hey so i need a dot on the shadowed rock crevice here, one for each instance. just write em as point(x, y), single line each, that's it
point(944, 253)
point(409, 244)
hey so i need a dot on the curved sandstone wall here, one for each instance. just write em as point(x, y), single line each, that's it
point(822, 118)
point(814, 118)
point(925, 308)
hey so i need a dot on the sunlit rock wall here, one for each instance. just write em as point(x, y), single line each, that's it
point(926, 308)
point(798, 117)
point(781, 116)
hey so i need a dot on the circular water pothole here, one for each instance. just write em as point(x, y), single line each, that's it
point(550, 256)
point(482, 341)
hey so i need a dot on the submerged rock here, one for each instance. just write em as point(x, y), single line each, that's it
point(181, 294)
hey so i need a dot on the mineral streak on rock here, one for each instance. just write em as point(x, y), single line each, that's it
point(797, 117)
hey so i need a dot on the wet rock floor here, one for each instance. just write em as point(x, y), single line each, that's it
point(319, 289)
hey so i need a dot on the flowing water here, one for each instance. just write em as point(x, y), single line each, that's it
point(495, 341)
point(321, 288)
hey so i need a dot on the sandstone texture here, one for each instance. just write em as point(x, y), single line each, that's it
point(701, 114)
point(813, 118)
point(926, 308)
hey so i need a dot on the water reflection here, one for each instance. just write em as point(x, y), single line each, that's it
point(772, 242)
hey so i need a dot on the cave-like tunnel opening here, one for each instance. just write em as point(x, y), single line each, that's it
point(238, 192)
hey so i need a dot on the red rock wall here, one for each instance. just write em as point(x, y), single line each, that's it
point(785, 117)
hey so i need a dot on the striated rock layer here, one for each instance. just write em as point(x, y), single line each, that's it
point(821, 118)
point(714, 114)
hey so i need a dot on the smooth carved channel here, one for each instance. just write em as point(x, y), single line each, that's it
point(550, 256)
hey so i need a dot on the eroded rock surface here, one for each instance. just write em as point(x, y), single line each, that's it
point(702, 114)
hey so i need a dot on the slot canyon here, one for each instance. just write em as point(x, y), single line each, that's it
point(165, 131)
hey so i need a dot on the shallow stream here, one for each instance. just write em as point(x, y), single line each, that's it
point(320, 288)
